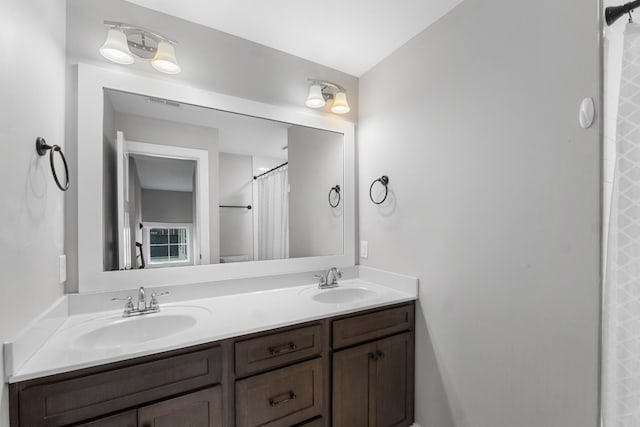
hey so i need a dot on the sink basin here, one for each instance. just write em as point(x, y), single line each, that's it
point(123, 332)
point(344, 295)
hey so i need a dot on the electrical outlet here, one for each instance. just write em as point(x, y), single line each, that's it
point(364, 249)
point(62, 268)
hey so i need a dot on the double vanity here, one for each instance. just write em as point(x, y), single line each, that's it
point(295, 355)
point(257, 342)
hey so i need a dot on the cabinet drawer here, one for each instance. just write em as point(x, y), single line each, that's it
point(76, 399)
point(364, 327)
point(282, 397)
point(277, 349)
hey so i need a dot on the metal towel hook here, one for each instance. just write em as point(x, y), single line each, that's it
point(41, 149)
point(384, 180)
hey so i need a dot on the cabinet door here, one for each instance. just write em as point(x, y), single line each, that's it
point(199, 409)
point(354, 374)
point(125, 419)
point(394, 381)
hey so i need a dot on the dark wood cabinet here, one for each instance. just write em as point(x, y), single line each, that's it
point(373, 383)
point(349, 370)
point(394, 381)
point(282, 397)
point(125, 419)
point(277, 349)
point(74, 397)
point(199, 409)
point(353, 379)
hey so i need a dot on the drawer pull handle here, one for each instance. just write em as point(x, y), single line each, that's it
point(274, 401)
point(276, 351)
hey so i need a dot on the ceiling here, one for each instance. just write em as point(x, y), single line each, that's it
point(351, 36)
point(238, 134)
point(158, 173)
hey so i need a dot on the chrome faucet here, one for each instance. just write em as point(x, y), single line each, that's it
point(143, 308)
point(142, 300)
point(330, 280)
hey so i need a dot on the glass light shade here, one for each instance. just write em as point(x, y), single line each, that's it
point(165, 60)
point(340, 105)
point(315, 98)
point(116, 49)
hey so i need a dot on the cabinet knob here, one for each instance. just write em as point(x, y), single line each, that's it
point(373, 356)
point(380, 355)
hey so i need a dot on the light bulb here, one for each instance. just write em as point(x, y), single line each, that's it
point(116, 48)
point(165, 60)
point(315, 98)
point(340, 104)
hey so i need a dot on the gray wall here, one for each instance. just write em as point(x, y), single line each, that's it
point(142, 129)
point(495, 206)
point(32, 211)
point(315, 166)
point(167, 206)
point(236, 188)
point(209, 58)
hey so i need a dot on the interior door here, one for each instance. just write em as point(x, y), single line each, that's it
point(124, 230)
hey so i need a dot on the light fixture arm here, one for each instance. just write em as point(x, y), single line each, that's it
point(144, 32)
point(325, 85)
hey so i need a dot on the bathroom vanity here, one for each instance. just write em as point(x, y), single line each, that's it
point(353, 368)
point(254, 347)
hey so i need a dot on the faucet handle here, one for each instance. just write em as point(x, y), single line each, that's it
point(153, 305)
point(129, 305)
point(321, 278)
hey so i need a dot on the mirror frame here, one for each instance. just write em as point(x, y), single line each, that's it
point(92, 80)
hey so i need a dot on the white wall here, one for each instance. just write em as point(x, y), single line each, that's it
point(143, 129)
point(32, 103)
point(495, 206)
point(235, 184)
point(315, 166)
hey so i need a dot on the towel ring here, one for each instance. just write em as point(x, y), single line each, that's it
point(337, 190)
point(384, 180)
point(41, 149)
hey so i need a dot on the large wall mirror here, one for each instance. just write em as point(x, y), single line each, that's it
point(186, 185)
point(180, 185)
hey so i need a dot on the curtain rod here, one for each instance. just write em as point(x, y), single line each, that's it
point(279, 166)
point(236, 206)
point(611, 14)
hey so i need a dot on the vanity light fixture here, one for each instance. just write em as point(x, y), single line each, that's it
point(321, 91)
point(127, 42)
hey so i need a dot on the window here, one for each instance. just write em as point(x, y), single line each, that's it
point(169, 244)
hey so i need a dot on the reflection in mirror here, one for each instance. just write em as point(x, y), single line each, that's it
point(188, 185)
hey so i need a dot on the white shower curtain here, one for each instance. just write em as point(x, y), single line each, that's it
point(273, 215)
point(621, 331)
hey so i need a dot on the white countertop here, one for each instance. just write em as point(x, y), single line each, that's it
point(219, 317)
